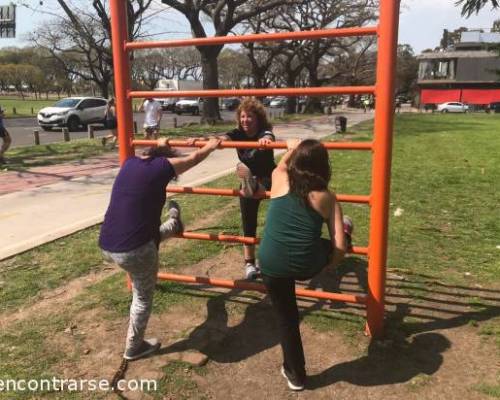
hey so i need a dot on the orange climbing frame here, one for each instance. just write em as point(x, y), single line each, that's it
point(381, 146)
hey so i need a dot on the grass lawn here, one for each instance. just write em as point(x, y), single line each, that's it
point(444, 227)
point(23, 108)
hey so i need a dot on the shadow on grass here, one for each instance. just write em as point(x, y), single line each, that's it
point(410, 346)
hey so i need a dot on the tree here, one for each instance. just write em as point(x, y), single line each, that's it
point(407, 70)
point(470, 7)
point(496, 26)
point(79, 38)
point(150, 66)
point(305, 60)
point(234, 69)
point(449, 39)
point(225, 15)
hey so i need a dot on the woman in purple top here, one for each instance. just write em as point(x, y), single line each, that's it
point(132, 229)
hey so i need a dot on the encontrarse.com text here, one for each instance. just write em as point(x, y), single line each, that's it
point(75, 385)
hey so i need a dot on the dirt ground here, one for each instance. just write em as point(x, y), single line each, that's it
point(437, 353)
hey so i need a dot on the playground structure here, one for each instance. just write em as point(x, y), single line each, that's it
point(381, 146)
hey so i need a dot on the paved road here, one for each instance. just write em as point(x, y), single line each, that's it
point(21, 129)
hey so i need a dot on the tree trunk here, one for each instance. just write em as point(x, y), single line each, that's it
point(104, 89)
point(210, 109)
point(313, 103)
point(291, 103)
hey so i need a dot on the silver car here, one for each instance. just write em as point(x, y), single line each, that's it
point(453, 107)
point(73, 112)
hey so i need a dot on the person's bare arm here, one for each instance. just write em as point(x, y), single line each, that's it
point(182, 164)
point(280, 184)
point(336, 228)
point(291, 144)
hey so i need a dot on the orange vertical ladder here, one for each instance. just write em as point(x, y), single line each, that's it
point(381, 146)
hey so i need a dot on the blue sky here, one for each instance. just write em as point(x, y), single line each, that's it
point(421, 22)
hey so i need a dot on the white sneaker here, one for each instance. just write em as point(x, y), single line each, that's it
point(249, 184)
point(251, 271)
point(173, 225)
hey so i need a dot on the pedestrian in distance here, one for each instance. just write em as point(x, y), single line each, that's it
point(292, 248)
point(152, 117)
point(5, 136)
point(254, 170)
point(111, 123)
point(132, 229)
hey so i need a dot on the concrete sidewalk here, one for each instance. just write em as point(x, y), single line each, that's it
point(47, 203)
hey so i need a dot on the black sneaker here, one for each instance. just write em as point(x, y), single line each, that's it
point(292, 383)
point(147, 347)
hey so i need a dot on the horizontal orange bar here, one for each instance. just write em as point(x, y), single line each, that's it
point(317, 294)
point(256, 37)
point(229, 144)
point(236, 193)
point(312, 91)
point(244, 240)
point(219, 238)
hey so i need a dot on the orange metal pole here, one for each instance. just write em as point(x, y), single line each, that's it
point(119, 33)
point(236, 193)
point(350, 298)
point(229, 144)
point(312, 91)
point(257, 37)
point(244, 239)
point(219, 238)
point(381, 167)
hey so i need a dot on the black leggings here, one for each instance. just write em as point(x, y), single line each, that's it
point(282, 294)
point(249, 213)
point(250, 210)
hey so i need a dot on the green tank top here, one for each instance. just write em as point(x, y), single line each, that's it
point(291, 245)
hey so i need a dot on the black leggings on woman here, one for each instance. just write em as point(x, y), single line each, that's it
point(282, 294)
point(250, 210)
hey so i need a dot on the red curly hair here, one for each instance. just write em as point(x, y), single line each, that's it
point(251, 104)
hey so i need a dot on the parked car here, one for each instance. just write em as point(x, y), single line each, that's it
point(278, 102)
point(493, 107)
point(167, 104)
point(190, 106)
point(230, 104)
point(73, 112)
point(454, 107)
point(266, 101)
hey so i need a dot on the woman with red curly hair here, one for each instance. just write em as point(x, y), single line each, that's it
point(254, 170)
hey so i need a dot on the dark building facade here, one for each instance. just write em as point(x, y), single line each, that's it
point(468, 73)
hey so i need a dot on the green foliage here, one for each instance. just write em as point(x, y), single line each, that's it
point(470, 7)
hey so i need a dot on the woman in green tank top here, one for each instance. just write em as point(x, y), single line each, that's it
point(292, 247)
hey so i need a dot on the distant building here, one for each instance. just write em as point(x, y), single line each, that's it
point(467, 73)
point(178, 84)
